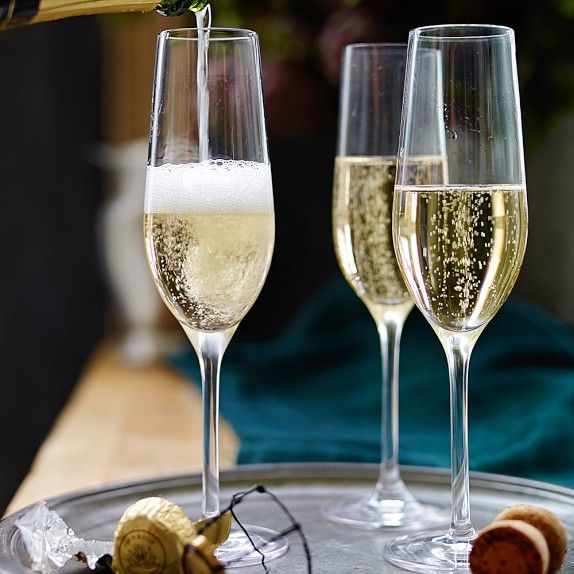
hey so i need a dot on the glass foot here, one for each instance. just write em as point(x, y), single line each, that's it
point(237, 551)
point(429, 552)
point(393, 514)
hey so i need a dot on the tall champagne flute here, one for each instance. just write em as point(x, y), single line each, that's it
point(460, 239)
point(209, 219)
point(369, 120)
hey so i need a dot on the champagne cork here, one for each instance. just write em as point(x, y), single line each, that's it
point(509, 547)
point(150, 538)
point(549, 525)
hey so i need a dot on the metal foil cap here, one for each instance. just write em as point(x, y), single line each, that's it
point(150, 538)
point(216, 530)
point(198, 557)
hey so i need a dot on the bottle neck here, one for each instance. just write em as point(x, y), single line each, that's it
point(15, 12)
point(19, 12)
point(180, 7)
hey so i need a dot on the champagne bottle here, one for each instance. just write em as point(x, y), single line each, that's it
point(19, 12)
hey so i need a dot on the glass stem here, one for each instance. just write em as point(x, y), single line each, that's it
point(390, 322)
point(458, 348)
point(210, 348)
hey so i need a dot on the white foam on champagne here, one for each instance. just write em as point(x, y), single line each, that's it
point(214, 186)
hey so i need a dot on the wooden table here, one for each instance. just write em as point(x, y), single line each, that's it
point(121, 423)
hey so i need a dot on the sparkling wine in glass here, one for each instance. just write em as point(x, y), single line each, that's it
point(365, 166)
point(460, 238)
point(209, 218)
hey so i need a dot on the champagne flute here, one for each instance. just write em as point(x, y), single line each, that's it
point(460, 238)
point(372, 82)
point(209, 218)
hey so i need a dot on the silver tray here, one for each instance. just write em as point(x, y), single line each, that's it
point(304, 488)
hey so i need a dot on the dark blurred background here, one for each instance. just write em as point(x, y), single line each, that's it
point(76, 92)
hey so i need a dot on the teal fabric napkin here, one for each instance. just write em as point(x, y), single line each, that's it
point(313, 394)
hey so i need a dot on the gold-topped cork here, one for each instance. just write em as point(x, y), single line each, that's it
point(150, 538)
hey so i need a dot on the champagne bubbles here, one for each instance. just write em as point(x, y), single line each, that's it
point(462, 247)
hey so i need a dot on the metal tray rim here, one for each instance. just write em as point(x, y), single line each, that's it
point(308, 470)
point(285, 475)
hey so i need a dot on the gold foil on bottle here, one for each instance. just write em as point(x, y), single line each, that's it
point(199, 558)
point(150, 538)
